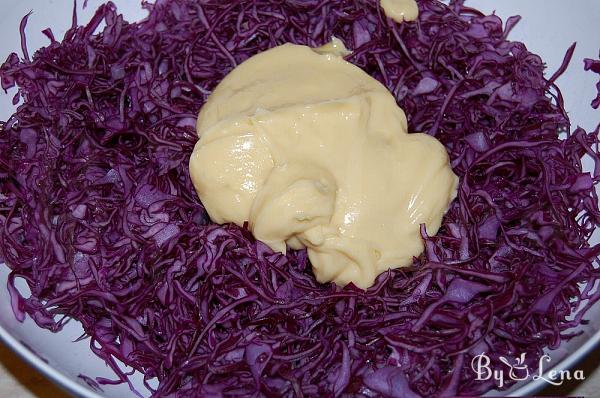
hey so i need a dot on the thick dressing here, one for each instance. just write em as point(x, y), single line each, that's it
point(315, 153)
point(400, 10)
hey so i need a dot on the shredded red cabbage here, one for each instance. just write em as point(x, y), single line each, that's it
point(594, 66)
point(98, 214)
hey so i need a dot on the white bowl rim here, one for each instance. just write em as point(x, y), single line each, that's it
point(56, 376)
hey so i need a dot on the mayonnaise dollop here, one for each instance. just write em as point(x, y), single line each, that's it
point(313, 152)
point(400, 10)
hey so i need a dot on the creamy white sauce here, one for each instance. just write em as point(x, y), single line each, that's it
point(400, 10)
point(315, 153)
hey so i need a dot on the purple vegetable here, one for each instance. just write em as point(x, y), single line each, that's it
point(98, 214)
point(390, 382)
point(257, 357)
point(594, 66)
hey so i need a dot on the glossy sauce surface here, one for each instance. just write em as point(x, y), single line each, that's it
point(400, 10)
point(315, 153)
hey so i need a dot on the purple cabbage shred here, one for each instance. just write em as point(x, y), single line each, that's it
point(594, 66)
